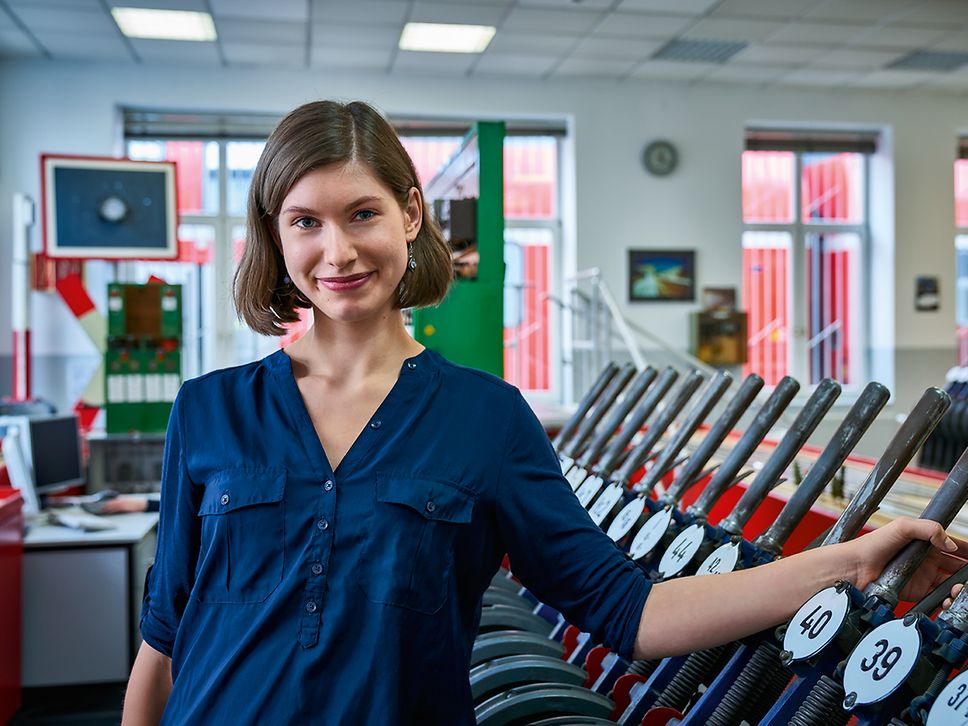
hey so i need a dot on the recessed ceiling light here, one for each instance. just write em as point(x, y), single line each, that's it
point(164, 24)
point(443, 38)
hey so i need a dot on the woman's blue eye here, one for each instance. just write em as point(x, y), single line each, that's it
point(305, 223)
point(365, 214)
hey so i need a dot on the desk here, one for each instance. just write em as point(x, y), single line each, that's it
point(11, 556)
point(82, 600)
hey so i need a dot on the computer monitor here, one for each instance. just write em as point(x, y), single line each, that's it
point(51, 450)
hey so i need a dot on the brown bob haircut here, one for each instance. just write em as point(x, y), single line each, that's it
point(313, 136)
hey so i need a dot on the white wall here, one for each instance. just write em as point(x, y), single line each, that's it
point(53, 107)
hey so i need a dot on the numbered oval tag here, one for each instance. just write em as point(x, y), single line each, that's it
point(575, 477)
point(626, 519)
point(951, 706)
point(587, 491)
point(650, 534)
point(605, 502)
point(816, 623)
point(882, 661)
point(682, 550)
point(566, 462)
point(723, 559)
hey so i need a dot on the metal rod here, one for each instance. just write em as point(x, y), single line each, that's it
point(604, 402)
point(690, 472)
point(640, 453)
point(944, 505)
point(855, 424)
point(957, 615)
point(900, 450)
point(761, 424)
point(766, 478)
point(616, 416)
point(616, 449)
point(585, 405)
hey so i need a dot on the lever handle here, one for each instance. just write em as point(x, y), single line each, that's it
point(585, 405)
point(957, 615)
point(714, 391)
point(615, 451)
point(717, 433)
point(944, 505)
point(900, 450)
point(803, 425)
point(851, 429)
point(573, 446)
point(768, 415)
point(616, 416)
point(640, 454)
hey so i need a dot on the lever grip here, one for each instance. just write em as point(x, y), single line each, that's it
point(944, 505)
point(640, 454)
point(900, 450)
point(585, 405)
point(957, 615)
point(574, 445)
point(851, 429)
point(697, 414)
point(613, 454)
point(761, 424)
point(803, 425)
point(616, 416)
point(714, 438)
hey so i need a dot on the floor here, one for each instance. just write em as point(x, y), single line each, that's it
point(94, 705)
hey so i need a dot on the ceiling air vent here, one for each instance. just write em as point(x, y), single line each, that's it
point(699, 51)
point(930, 60)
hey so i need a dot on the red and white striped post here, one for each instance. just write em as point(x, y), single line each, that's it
point(23, 220)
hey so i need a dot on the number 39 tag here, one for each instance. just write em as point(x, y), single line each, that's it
point(951, 708)
point(882, 661)
point(816, 623)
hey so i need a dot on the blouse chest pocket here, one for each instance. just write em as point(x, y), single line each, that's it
point(241, 554)
point(409, 551)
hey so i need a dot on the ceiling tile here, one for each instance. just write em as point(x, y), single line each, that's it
point(80, 45)
point(595, 67)
point(892, 79)
point(739, 73)
point(265, 54)
point(620, 48)
point(899, 37)
point(197, 5)
point(360, 58)
point(235, 30)
point(550, 21)
point(827, 34)
point(366, 11)
point(15, 44)
point(464, 14)
point(346, 35)
point(784, 55)
point(524, 43)
point(774, 9)
point(568, 4)
point(955, 80)
point(684, 7)
point(937, 12)
point(674, 71)
point(820, 78)
point(296, 11)
point(176, 51)
point(513, 65)
point(642, 25)
point(450, 64)
point(66, 19)
point(859, 59)
point(953, 42)
point(728, 29)
point(860, 10)
point(75, 4)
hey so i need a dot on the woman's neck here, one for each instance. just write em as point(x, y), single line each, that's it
point(354, 351)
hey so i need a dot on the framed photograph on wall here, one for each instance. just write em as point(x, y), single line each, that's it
point(662, 275)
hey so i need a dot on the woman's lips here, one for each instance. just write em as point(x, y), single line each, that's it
point(350, 282)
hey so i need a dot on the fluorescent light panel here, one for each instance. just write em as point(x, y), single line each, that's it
point(164, 24)
point(444, 38)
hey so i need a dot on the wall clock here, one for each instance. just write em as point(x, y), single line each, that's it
point(660, 158)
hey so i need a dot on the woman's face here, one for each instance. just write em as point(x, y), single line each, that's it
point(344, 239)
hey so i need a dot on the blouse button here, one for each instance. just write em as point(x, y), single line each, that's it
point(411, 365)
point(328, 485)
point(431, 507)
point(322, 524)
point(317, 568)
point(310, 607)
point(376, 423)
point(224, 500)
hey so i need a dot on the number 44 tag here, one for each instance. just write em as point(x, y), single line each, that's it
point(881, 662)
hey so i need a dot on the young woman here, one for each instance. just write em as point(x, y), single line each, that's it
point(332, 514)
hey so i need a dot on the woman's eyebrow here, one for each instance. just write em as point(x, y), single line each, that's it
point(362, 200)
point(297, 210)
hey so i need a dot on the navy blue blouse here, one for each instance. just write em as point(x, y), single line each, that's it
point(287, 593)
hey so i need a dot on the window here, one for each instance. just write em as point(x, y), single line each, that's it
point(805, 257)
point(961, 252)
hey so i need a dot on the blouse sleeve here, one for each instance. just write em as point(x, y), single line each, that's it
point(170, 580)
point(554, 547)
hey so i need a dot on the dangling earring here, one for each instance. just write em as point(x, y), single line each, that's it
point(286, 280)
point(411, 262)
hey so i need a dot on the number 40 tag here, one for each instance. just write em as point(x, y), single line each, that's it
point(816, 623)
